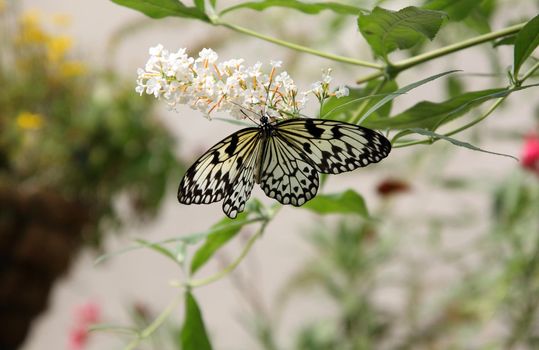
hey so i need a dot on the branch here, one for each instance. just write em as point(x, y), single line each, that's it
point(300, 48)
point(403, 65)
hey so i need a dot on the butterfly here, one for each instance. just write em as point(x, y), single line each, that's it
point(284, 157)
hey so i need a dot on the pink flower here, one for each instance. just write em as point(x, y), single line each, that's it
point(78, 336)
point(85, 315)
point(530, 153)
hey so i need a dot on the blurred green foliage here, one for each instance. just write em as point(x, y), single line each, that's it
point(77, 131)
point(350, 267)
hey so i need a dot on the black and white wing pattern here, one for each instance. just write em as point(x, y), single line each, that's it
point(240, 190)
point(286, 174)
point(224, 171)
point(334, 147)
point(284, 157)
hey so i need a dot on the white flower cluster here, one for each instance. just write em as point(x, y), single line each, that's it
point(209, 86)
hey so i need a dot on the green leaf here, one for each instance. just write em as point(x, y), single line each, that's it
point(430, 115)
point(403, 90)
point(188, 239)
point(344, 108)
point(348, 202)
point(200, 4)
point(526, 42)
point(157, 248)
point(305, 7)
point(225, 232)
point(508, 40)
point(193, 334)
point(478, 21)
point(386, 30)
point(456, 142)
point(456, 9)
point(163, 8)
point(480, 17)
point(454, 86)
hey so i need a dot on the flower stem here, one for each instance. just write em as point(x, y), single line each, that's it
point(161, 318)
point(407, 63)
point(475, 121)
point(492, 108)
point(233, 265)
point(370, 77)
point(148, 331)
point(301, 48)
point(355, 119)
point(414, 61)
point(530, 72)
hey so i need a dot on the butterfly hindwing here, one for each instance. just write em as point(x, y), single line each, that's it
point(285, 174)
point(240, 191)
point(334, 147)
point(212, 176)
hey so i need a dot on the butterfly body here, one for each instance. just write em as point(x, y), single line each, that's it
point(284, 157)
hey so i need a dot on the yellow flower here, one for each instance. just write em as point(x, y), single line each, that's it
point(72, 69)
point(28, 120)
point(31, 31)
point(2, 5)
point(30, 17)
point(57, 47)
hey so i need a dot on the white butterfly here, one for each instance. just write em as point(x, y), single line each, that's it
point(283, 157)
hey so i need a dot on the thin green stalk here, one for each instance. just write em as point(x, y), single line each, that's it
point(161, 318)
point(363, 106)
point(233, 265)
point(492, 108)
point(525, 321)
point(370, 77)
point(413, 61)
point(301, 48)
point(475, 121)
point(457, 130)
point(530, 72)
point(113, 329)
point(190, 239)
point(148, 331)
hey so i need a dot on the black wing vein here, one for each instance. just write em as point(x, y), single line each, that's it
point(334, 147)
point(214, 174)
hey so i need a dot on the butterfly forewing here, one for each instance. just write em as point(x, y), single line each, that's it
point(212, 175)
point(334, 147)
point(286, 175)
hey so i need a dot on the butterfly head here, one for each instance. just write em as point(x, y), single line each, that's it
point(264, 120)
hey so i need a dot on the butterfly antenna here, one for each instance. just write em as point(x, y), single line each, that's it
point(247, 116)
point(290, 114)
point(243, 109)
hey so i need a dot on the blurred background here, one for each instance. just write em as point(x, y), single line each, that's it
point(87, 165)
